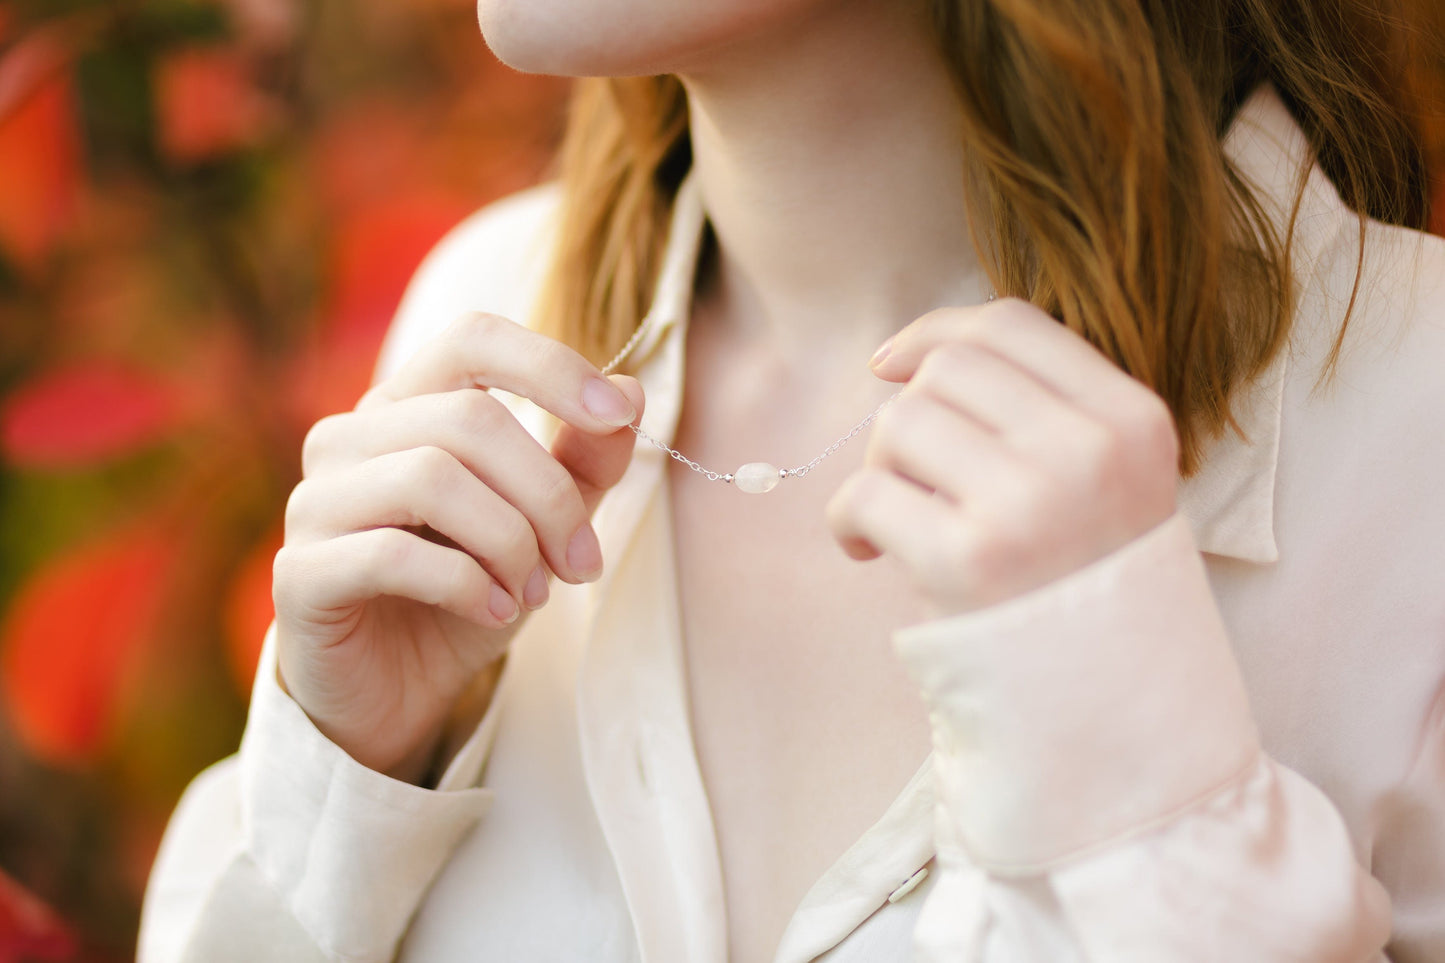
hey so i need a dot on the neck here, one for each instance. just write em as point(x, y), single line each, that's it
point(830, 160)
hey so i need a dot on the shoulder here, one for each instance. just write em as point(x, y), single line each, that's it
point(1369, 426)
point(493, 261)
point(1393, 346)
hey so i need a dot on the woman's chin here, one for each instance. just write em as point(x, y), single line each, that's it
point(621, 38)
point(546, 38)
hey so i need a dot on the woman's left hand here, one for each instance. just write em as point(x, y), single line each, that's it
point(1016, 454)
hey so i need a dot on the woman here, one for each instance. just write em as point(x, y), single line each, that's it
point(705, 740)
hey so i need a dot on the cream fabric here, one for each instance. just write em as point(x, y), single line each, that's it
point(1236, 755)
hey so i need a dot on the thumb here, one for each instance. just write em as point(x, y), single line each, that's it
point(597, 462)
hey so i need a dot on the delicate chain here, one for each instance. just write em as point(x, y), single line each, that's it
point(626, 349)
point(761, 478)
point(784, 473)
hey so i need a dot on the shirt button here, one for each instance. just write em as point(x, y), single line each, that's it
point(909, 885)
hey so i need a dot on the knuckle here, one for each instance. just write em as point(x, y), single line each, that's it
point(518, 542)
point(297, 508)
point(386, 550)
point(892, 419)
point(942, 364)
point(457, 576)
point(288, 574)
point(472, 407)
point(954, 356)
point(547, 355)
point(852, 493)
point(430, 471)
point(935, 316)
point(558, 497)
point(861, 487)
point(905, 427)
point(317, 443)
point(473, 324)
point(283, 567)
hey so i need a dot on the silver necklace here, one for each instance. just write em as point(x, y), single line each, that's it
point(755, 477)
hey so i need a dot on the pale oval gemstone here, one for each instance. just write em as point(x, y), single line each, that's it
point(756, 477)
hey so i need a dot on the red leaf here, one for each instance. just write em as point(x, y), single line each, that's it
point(39, 161)
point(249, 610)
point(73, 638)
point(83, 415)
point(208, 105)
point(363, 152)
point(29, 929)
point(377, 251)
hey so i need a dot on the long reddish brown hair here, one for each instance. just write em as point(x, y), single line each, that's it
point(1099, 189)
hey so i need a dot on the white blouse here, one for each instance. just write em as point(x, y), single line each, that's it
point(1223, 742)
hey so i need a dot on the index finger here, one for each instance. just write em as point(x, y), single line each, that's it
point(487, 351)
point(1020, 333)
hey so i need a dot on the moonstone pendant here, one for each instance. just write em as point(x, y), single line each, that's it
point(756, 477)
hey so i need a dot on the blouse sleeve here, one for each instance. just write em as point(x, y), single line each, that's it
point(292, 850)
point(1102, 793)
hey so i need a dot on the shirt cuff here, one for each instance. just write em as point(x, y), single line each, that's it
point(1097, 706)
point(350, 851)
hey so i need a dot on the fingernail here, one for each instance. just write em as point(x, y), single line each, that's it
point(535, 592)
point(501, 605)
point(584, 554)
point(605, 403)
point(880, 354)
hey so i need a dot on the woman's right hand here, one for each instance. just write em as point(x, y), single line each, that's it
point(425, 526)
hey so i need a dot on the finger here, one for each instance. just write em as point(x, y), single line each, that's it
point(941, 449)
point(1023, 334)
point(323, 580)
point(893, 516)
point(995, 392)
point(419, 487)
point(486, 437)
point(597, 462)
point(486, 351)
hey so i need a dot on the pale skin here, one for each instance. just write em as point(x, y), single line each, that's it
point(825, 142)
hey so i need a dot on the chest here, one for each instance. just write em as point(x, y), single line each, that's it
point(805, 725)
point(793, 686)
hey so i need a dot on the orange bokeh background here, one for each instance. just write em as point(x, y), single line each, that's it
point(208, 212)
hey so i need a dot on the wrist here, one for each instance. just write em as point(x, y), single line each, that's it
point(414, 765)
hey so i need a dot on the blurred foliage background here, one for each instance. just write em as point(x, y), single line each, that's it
point(208, 211)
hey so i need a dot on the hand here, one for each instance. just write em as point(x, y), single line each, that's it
point(1016, 454)
point(427, 522)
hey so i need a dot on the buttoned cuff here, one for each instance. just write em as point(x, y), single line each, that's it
point(349, 851)
point(1092, 708)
